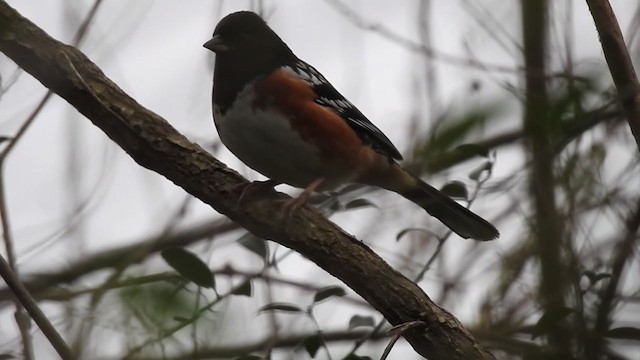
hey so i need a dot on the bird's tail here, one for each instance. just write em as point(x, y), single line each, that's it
point(459, 219)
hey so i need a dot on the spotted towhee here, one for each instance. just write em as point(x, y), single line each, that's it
point(282, 118)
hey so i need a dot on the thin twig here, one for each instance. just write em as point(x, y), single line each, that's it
point(385, 32)
point(114, 257)
point(34, 311)
point(221, 351)
point(22, 320)
point(389, 346)
point(624, 251)
point(399, 330)
point(84, 27)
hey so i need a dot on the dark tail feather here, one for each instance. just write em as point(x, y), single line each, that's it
point(458, 218)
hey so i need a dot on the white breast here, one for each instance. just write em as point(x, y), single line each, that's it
point(265, 141)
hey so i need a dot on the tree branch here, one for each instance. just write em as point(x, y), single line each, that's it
point(38, 284)
point(624, 251)
point(619, 61)
point(539, 128)
point(283, 342)
point(34, 311)
point(155, 145)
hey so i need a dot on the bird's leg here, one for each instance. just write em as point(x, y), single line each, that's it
point(245, 188)
point(296, 202)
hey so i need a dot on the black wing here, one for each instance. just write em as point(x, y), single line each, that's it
point(330, 97)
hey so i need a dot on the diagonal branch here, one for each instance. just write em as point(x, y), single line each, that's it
point(23, 296)
point(154, 144)
point(288, 341)
point(126, 254)
point(619, 61)
point(40, 283)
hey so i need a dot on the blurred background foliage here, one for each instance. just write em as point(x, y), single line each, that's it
point(101, 243)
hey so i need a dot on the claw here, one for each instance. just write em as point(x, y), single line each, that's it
point(245, 188)
point(297, 202)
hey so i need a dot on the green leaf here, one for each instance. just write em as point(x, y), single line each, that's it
point(403, 232)
point(548, 320)
point(473, 149)
point(455, 189)
point(312, 344)
point(256, 245)
point(189, 265)
point(245, 289)
point(626, 333)
point(484, 168)
point(359, 203)
point(327, 292)
point(281, 307)
point(156, 305)
point(452, 130)
point(360, 321)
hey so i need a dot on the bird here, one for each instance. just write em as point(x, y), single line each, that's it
point(282, 118)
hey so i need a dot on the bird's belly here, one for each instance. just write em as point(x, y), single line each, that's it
point(266, 142)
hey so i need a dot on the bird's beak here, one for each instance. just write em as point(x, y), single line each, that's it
point(216, 44)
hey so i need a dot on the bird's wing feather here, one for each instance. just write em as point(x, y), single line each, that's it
point(328, 96)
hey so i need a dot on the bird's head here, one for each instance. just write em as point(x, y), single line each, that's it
point(243, 36)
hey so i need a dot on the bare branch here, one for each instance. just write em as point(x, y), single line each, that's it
point(385, 32)
point(34, 311)
point(39, 284)
point(538, 125)
point(282, 342)
point(619, 61)
point(623, 253)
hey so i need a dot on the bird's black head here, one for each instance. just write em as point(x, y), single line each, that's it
point(244, 35)
point(238, 31)
point(245, 48)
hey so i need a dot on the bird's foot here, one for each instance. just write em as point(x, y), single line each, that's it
point(297, 202)
point(254, 186)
